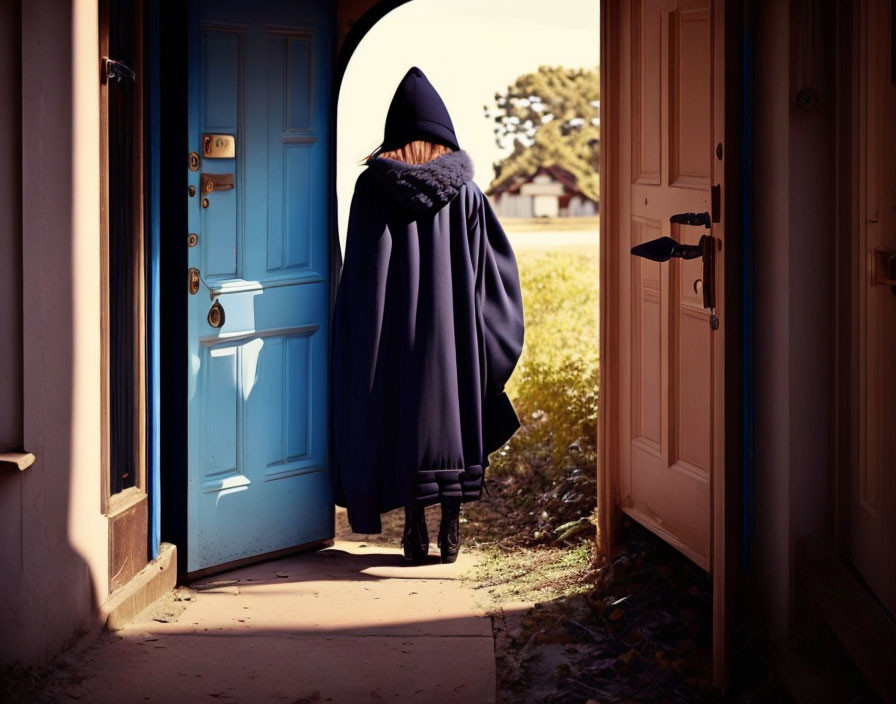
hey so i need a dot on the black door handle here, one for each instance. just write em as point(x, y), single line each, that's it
point(695, 219)
point(664, 248)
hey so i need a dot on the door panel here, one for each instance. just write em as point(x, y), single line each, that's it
point(258, 472)
point(669, 355)
point(872, 502)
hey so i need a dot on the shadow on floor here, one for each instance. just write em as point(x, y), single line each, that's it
point(346, 624)
point(642, 633)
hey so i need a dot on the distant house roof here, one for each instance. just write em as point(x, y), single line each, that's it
point(557, 173)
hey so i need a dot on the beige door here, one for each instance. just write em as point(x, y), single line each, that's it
point(667, 419)
point(872, 502)
point(662, 422)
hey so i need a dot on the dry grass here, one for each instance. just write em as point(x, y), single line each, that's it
point(524, 224)
point(528, 575)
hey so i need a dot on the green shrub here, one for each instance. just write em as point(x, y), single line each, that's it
point(541, 486)
point(555, 385)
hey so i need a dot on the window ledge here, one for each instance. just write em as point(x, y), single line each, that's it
point(121, 502)
point(16, 460)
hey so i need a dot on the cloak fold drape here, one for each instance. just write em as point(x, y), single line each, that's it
point(427, 329)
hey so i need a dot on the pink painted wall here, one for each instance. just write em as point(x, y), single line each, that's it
point(53, 536)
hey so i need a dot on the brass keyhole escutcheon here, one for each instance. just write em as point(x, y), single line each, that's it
point(193, 280)
point(194, 161)
point(215, 182)
point(192, 239)
point(205, 202)
point(216, 315)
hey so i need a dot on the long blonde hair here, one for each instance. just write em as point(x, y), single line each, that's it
point(418, 151)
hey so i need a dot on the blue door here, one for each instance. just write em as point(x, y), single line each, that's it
point(259, 124)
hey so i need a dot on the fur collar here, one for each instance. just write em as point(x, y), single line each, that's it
point(422, 187)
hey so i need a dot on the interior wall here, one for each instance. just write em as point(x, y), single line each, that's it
point(794, 217)
point(54, 541)
point(813, 217)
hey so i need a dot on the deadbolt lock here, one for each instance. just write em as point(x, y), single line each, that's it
point(193, 280)
point(218, 146)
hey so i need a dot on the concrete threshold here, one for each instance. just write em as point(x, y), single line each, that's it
point(149, 584)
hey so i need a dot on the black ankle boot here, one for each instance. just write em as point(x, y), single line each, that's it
point(415, 539)
point(449, 530)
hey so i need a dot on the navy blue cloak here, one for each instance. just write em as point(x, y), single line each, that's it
point(427, 328)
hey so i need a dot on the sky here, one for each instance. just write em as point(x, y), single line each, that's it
point(468, 49)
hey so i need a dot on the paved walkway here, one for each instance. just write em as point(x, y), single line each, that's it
point(346, 624)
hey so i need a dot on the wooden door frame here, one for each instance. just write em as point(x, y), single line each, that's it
point(847, 62)
point(845, 603)
point(729, 460)
point(174, 385)
point(850, 62)
point(126, 511)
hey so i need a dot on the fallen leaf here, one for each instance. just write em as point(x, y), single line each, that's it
point(627, 656)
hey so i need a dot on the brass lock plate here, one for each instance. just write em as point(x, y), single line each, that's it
point(216, 182)
point(218, 146)
point(216, 315)
point(193, 280)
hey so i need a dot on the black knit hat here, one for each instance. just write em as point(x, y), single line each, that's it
point(417, 112)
